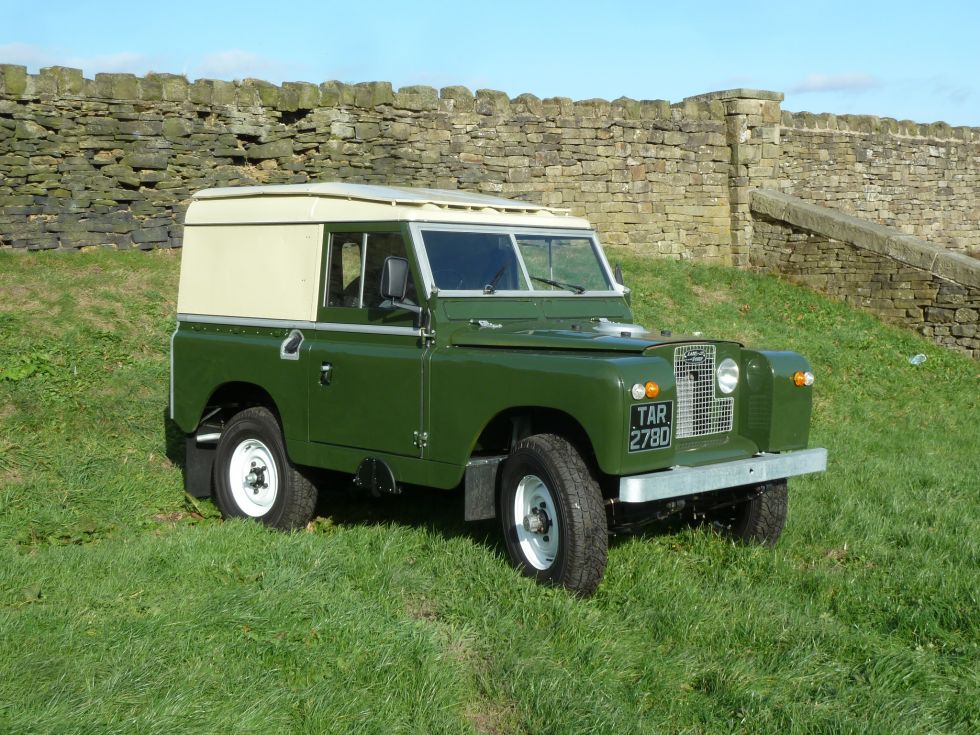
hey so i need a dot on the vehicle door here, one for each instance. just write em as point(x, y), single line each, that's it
point(366, 353)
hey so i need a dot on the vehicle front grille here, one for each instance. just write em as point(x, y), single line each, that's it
point(699, 412)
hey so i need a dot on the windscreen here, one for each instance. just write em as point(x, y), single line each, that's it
point(489, 261)
point(562, 263)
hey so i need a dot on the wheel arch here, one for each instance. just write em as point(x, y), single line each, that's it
point(231, 397)
point(208, 424)
point(509, 426)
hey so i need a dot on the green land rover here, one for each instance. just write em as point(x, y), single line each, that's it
point(460, 341)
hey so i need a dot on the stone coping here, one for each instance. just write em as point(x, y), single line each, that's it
point(871, 124)
point(62, 81)
point(870, 236)
point(59, 81)
point(740, 93)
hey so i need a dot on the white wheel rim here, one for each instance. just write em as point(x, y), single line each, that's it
point(253, 477)
point(533, 497)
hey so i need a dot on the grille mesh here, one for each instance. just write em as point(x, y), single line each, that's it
point(699, 413)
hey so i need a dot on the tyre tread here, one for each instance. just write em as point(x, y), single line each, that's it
point(299, 493)
point(587, 546)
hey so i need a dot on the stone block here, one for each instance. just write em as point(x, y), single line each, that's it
point(591, 108)
point(341, 130)
point(366, 131)
point(65, 80)
point(958, 267)
point(655, 110)
point(398, 130)
point(416, 98)
point(14, 79)
point(462, 98)
point(331, 93)
point(173, 87)
point(276, 149)
point(597, 168)
point(201, 92)
point(150, 234)
point(626, 108)
point(28, 130)
point(117, 86)
point(266, 93)
point(557, 106)
point(298, 96)
point(150, 88)
point(527, 104)
point(372, 94)
point(138, 160)
point(175, 128)
point(492, 102)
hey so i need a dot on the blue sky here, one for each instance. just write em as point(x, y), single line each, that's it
point(919, 61)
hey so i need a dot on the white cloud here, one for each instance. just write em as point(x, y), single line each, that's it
point(37, 57)
point(951, 92)
point(852, 83)
point(237, 64)
point(124, 61)
point(26, 54)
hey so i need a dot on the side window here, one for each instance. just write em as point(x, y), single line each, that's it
point(382, 245)
point(346, 266)
point(356, 263)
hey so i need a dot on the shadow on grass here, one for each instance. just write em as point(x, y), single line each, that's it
point(438, 511)
point(174, 438)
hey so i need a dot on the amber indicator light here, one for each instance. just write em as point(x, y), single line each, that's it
point(801, 378)
point(653, 390)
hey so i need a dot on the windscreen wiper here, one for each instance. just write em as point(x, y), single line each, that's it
point(558, 284)
point(492, 286)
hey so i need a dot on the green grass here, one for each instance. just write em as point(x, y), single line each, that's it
point(125, 607)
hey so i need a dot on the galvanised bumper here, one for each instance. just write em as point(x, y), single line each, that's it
point(679, 481)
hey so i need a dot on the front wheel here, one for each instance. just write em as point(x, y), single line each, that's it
point(254, 477)
point(758, 519)
point(553, 516)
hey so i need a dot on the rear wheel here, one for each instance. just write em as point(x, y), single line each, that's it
point(254, 477)
point(553, 516)
point(758, 519)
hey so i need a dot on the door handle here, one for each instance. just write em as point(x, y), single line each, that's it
point(326, 373)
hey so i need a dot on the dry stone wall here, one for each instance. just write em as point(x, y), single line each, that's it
point(921, 179)
point(114, 160)
point(899, 277)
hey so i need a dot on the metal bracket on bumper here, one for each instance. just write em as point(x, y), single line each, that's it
point(679, 481)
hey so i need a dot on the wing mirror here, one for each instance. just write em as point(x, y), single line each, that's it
point(394, 283)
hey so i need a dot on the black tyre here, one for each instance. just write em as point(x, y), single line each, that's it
point(253, 476)
point(553, 516)
point(758, 520)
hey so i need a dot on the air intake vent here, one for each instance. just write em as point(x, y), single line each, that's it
point(699, 412)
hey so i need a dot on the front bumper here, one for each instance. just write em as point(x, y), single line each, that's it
point(679, 481)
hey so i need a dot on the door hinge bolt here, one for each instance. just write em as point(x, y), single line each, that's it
point(421, 439)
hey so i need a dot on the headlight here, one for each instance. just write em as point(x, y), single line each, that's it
point(727, 375)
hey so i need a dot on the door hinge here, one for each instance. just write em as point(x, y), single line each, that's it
point(421, 439)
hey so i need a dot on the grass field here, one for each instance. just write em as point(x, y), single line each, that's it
point(127, 608)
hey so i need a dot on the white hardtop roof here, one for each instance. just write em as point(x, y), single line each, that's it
point(376, 193)
point(338, 202)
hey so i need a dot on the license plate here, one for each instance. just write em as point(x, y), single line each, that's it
point(650, 426)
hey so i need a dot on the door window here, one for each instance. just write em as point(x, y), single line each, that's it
point(356, 261)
